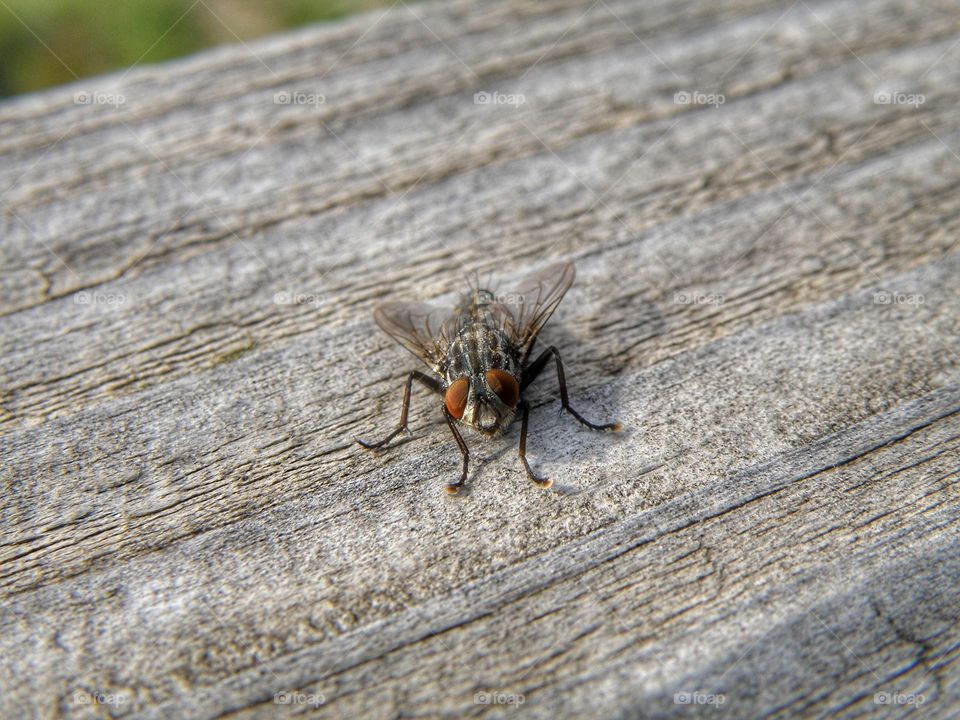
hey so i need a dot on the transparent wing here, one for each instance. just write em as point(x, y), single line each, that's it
point(421, 328)
point(527, 309)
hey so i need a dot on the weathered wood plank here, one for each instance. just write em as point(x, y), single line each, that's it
point(302, 166)
point(186, 523)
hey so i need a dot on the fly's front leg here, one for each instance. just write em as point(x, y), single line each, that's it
point(425, 380)
point(454, 488)
point(542, 482)
point(534, 369)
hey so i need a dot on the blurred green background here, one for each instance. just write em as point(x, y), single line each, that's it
point(96, 36)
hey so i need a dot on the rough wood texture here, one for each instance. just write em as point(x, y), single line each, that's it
point(767, 298)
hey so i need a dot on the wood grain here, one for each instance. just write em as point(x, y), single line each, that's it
point(767, 298)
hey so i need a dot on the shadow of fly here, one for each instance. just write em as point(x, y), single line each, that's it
point(479, 355)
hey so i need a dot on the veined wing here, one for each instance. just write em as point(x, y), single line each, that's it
point(421, 328)
point(532, 303)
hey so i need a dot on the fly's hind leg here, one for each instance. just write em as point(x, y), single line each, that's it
point(534, 370)
point(424, 380)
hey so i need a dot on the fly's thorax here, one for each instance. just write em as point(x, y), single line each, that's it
point(480, 346)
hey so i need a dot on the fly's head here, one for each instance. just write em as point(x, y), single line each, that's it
point(484, 401)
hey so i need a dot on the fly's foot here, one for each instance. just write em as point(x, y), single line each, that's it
point(613, 427)
point(542, 482)
point(382, 443)
point(545, 483)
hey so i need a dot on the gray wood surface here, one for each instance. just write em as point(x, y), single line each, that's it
point(767, 298)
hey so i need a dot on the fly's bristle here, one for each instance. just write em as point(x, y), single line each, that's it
point(476, 283)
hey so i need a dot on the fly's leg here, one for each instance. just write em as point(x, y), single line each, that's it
point(454, 488)
point(424, 380)
point(534, 370)
point(542, 482)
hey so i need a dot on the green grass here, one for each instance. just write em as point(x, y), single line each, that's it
point(50, 42)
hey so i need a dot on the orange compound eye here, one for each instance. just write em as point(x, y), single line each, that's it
point(504, 385)
point(456, 397)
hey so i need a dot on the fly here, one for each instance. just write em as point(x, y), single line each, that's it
point(479, 357)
